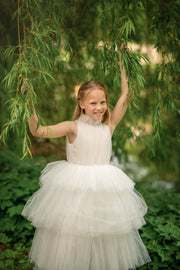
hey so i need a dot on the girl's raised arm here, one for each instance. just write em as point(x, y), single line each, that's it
point(66, 128)
point(121, 105)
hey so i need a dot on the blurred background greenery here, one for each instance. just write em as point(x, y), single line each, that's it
point(60, 44)
point(68, 40)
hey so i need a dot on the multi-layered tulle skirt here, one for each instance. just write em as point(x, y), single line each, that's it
point(86, 218)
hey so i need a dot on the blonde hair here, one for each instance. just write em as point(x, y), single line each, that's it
point(83, 91)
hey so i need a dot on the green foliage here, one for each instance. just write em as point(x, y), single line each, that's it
point(41, 46)
point(76, 41)
point(14, 258)
point(37, 51)
point(131, 61)
point(162, 232)
point(159, 145)
point(18, 180)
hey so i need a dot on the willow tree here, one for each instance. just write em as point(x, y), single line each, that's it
point(44, 40)
point(64, 43)
point(163, 147)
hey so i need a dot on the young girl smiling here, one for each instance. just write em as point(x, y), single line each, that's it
point(87, 213)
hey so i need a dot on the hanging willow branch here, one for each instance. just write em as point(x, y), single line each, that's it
point(39, 36)
point(37, 51)
point(120, 32)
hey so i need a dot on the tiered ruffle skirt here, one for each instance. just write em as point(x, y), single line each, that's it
point(86, 218)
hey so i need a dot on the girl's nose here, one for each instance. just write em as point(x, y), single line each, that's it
point(99, 106)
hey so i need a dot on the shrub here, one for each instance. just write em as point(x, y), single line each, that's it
point(161, 234)
point(18, 180)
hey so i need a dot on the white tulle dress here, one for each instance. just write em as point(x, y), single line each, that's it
point(87, 212)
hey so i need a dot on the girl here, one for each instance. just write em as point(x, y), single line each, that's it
point(86, 212)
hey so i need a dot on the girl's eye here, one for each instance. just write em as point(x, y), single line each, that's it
point(103, 102)
point(93, 103)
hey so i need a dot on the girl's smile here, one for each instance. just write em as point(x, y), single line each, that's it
point(94, 104)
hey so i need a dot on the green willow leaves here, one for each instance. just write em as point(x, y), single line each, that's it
point(42, 40)
point(39, 37)
point(60, 44)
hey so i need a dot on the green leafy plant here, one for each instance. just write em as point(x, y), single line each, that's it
point(41, 43)
point(76, 41)
point(37, 49)
point(162, 232)
point(18, 181)
point(15, 258)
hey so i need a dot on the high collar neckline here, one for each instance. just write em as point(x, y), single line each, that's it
point(89, 120)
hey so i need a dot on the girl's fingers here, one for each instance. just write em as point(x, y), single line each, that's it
point(123, 46)
point(24, 87)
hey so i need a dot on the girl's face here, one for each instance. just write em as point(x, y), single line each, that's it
point(94, 104)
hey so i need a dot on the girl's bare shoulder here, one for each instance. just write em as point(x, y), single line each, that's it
point(71, 126)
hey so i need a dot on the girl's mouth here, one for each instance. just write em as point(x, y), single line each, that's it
point(98, 114)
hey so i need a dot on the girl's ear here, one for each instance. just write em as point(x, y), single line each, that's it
point(81, 104)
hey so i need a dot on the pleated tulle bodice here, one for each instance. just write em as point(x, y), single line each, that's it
point(92, 145)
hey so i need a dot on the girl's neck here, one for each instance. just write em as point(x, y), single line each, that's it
point(89, 120)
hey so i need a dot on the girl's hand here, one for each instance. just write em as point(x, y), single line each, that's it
point(122, 47)
point(25, 88)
